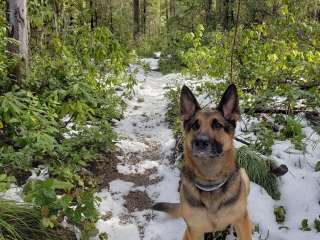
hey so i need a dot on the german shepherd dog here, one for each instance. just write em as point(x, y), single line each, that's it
point(213, 190)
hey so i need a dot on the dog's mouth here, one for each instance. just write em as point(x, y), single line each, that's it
point(206, 154)
point(211, 151)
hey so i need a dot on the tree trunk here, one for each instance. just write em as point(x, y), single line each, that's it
point(91, 15)
point(172, 8)
point(225, 17)
point(18, 29)
point(167, 15)
point(136, 19)
point(232, 9)
point(158, 24)
point(56, 13)
point(110, 15)
point(144, 16)
point(207, 4)
point(318, 15)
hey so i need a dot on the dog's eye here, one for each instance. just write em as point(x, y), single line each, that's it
point(216, 125)
point(195, 126)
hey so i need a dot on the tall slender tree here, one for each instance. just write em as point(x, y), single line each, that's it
point(208, 18)
point(110, 16)
point(144, 16)
point(18, 30)
point(172, 8)
point(225, 14)
point(136, 19)
point(91, 14)
point(167, 14)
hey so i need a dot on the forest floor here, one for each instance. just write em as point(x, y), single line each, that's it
point(145, 172)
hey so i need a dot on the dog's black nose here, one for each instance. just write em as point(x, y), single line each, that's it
point(201, 143)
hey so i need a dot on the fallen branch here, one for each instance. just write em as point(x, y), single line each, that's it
point(280, 111)
point(314, 118)
point(242, 141)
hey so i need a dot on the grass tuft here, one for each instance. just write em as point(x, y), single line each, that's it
point(258, 170)
point(22, 221)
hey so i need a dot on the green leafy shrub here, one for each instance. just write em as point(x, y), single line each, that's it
point(148, 45)
point(275, 67)
point(266, 56)
point(173, 114)
point(292, 130)
point(61, 115)
point(5, 182)
point(265, 137)
point(59, 199)
point(171, 54)
point(6, 63)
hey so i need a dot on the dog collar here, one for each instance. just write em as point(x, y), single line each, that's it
point(210, 187)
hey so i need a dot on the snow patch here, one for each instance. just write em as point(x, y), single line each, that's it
point(39, 173)
point(137, 169)
point(119, 186)
point(13, 193)
point(129, 146)
point(118, 230)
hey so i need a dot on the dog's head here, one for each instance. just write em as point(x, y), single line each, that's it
point(209, 134)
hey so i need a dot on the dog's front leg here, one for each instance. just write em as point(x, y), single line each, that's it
point(190, 234)
point(243, 228)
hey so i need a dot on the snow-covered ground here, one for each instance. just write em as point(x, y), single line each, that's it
point(145, 133)
point(300, 193)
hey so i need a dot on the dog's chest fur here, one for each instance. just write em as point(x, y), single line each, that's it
point(215, 210)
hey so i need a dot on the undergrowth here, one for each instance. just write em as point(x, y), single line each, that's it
point(19, 221)
point(61, 116)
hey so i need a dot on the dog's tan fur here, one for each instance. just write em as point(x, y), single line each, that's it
point(211, 211)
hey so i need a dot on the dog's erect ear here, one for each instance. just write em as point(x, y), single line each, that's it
point(229, 104)
point(188, 104)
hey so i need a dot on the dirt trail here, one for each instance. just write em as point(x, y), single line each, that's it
point(143, 173)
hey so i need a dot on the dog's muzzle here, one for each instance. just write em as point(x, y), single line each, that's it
point(202, 146)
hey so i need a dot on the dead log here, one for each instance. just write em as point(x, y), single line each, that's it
point(279, 111)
